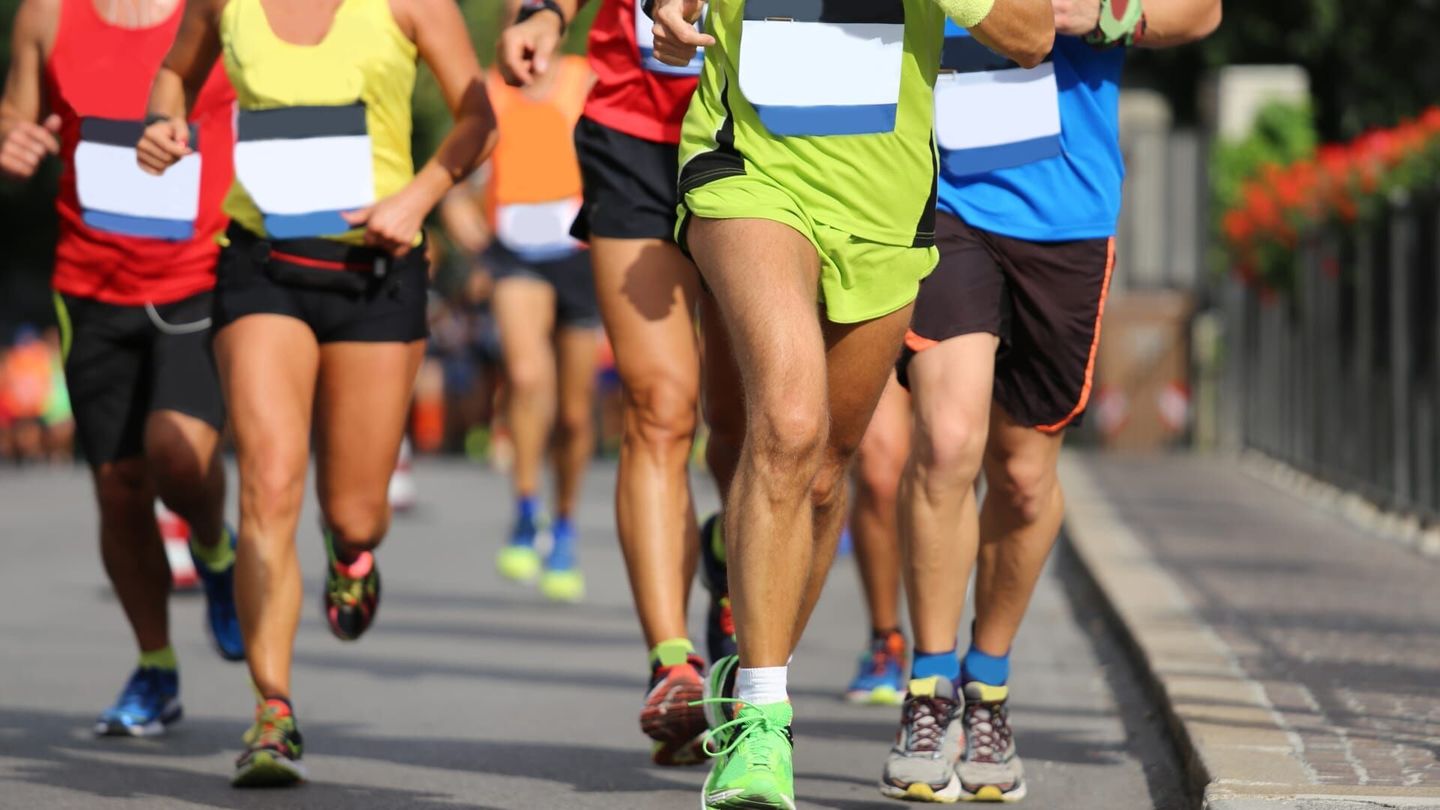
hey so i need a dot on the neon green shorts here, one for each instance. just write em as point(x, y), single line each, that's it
point(859, 280)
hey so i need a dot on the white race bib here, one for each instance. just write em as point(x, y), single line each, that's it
point(538, 232)
point(118, 197)
point(304, 166)
point(645, 38)
point(839, 76)
point(991, 114)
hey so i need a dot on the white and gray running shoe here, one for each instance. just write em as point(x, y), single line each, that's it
point(921, 766)
point(990, 769)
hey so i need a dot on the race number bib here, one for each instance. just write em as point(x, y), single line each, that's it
point(538, 232)
point(823, 67)
point(304, 166)
point(118, 197)
point(990, 113)
point(645, 38)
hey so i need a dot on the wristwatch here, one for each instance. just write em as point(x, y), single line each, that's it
point(530, 8)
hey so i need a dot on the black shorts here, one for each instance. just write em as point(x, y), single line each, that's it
point(572, 278)
point(1044, 300)
point(630, 185)
point(125, 362)
point(388, 308)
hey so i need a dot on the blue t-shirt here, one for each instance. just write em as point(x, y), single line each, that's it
point(1061, 178)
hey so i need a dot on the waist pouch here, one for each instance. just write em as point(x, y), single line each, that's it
point(317, 264)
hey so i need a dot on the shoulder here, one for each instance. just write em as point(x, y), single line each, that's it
point(414, 16)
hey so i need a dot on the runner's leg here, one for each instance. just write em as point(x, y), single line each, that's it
point(132, 551)
point(524, 310)
point(575, 425)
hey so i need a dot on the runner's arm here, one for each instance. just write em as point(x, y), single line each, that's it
point(1022, 30)
point(463, 216)
point(177, 84)
point(444, 44)
point(24, 143)
point(1178, 22)
point(525, 49)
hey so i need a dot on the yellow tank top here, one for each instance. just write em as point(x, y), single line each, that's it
point(308, 113)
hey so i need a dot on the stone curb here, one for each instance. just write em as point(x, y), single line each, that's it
point(1236, 747)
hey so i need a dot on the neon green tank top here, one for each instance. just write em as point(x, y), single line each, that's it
point(323, 128)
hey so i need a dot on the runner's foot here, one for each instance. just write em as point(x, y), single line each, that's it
point(671, 716)
point(217, 575)
point(753, 761)
point(149, 703)
point(880, 680)
point(273, 747)
point(518, 561)
point(352, 592)
point(562, 580)
point(990, 770)
point(921, 766)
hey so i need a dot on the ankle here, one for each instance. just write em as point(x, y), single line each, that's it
point(761, 686)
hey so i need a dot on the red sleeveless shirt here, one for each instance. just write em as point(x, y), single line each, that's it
point(118, 244)
point(627, 97)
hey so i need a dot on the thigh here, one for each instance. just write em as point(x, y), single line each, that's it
point(859, 359)
point(108, 366)
point(1058, 292)
point(268, 365)
point(524, 310)
point(647, 290)
point(886, 442)
point(724, 400)
point(364, 394)
point(185, 379)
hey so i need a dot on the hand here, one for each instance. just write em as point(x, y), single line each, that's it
point(26, 145)
point(524, 50)
point(676, 39)
point(1076, 17)
point(162, 145)
point(392, 223)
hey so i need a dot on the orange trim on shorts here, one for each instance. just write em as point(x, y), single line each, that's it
point(1094, 347)
point(917, 343)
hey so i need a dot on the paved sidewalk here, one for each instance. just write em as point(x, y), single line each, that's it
point(1300, 655)
point(470, 693)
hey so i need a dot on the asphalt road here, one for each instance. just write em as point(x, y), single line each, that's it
point(473, 693)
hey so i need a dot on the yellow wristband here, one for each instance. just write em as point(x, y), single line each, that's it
point(966, 13)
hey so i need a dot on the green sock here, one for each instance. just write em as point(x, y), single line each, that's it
point(163, 658)
point(717, 539)
point(216, 558)
point(670, 652)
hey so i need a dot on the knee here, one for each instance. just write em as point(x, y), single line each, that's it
point(1025, 485)
point(174, 463)
point(122, 485)
point(527, 378)
point(272, 486)
point(788, 438)
point(949, 451)
point(574, 420)
point(357, 520)
point(878, 471)
point(660, 414)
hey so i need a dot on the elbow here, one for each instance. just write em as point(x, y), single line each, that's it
point(1211, 21)
point(1036, 47)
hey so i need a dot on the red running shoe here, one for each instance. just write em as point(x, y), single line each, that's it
point(677, 727)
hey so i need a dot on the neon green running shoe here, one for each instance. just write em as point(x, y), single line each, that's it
point(563, 586)
point(753, 769)
point(518, 563)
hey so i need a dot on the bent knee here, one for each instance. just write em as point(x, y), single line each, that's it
point(122, 484)
point(949, 451)
point(1026, 486)
point(789, 438)
point(660, 413)
point(357, 520)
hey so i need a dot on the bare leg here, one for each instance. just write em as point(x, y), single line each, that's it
point(132, 551)
point(575, 427)
point(724, 401)
point(183, 457)
point(525, 313)
point(873, 522)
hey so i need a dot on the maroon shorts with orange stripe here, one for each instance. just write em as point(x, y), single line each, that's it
point(1044, 300)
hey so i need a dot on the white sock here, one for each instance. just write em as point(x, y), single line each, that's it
point(760, 686)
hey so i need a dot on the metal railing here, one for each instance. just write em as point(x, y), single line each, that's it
point(1339, 376)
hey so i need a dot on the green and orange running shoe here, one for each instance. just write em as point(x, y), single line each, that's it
point(753, 761)
point(352, 592)
point(272, 749)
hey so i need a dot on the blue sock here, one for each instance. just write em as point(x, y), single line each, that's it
point(562, 552)
point(987, 669)
point(942, 665)
point(525, 510)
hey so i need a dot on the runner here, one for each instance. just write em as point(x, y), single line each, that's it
point(627, 145)
point(320, 304)
point(544, 305)
point(1029, 197)
point(807, 170)
point(134, 269)
point(873, 526)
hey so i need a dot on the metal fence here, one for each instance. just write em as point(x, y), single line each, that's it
point(1339, 376)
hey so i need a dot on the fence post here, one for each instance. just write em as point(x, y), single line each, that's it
point(1401, 366)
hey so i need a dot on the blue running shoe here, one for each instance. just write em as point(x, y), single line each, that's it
point(562, 580)
point(222, 623)
point(149, 702)
point(881, 679)
point(719, 621)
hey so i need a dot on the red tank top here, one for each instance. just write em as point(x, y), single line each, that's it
point(628, 97)
point(126, 238)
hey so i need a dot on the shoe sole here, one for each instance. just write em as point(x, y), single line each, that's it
point(993, 794)
point(674, 722)
point(738, 802)
point(154, 728)
point(265, 770)
point(879, 696)
point(923, 792)
point(682, 755)
point(334, 623)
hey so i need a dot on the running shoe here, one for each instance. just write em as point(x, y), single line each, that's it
point(273, 747)
point(222, 622)
point(402, 492)
point(562, 580)
point(880, 680)
point(753, 760)
point(990, 770)
point(719, 622)
point(352, 592)
point(518, 561)
point(719, 701)
point(673, 715)
point(921, 766)
point(148, 704)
